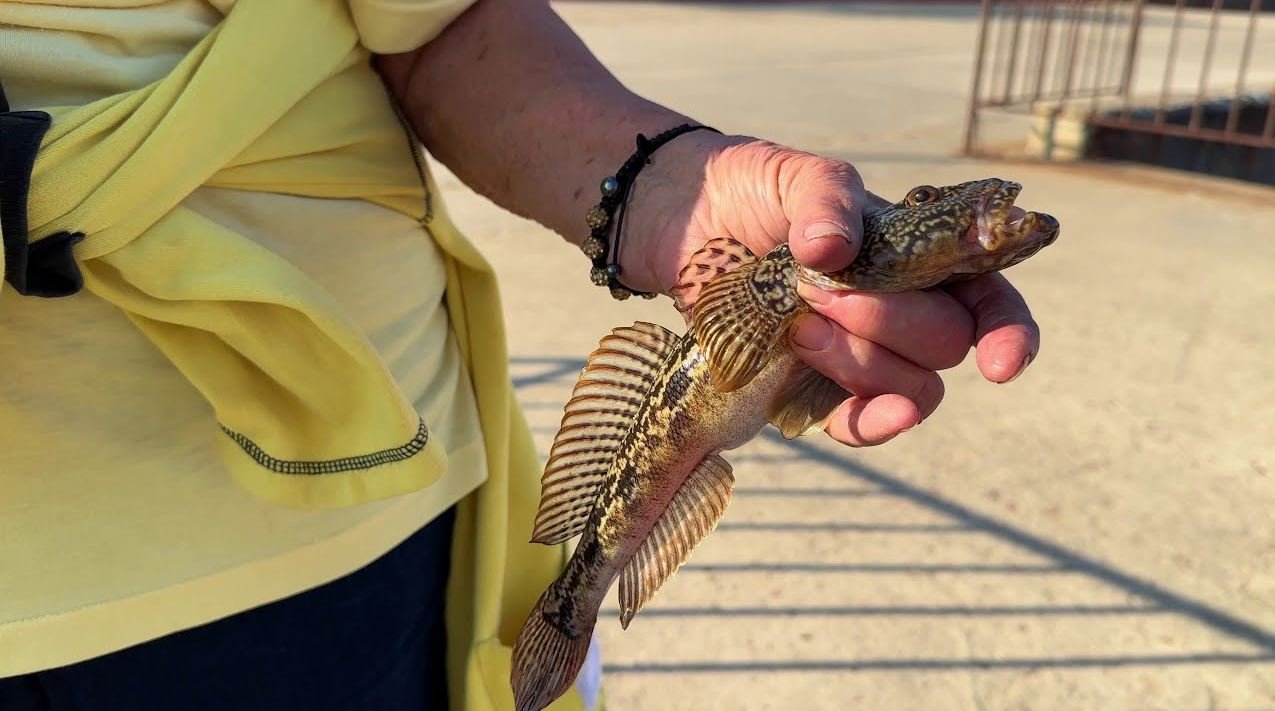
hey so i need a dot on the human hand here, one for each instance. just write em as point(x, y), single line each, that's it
point(885, 348)
point(553, 117)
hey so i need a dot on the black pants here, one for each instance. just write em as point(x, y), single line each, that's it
point(374, 639)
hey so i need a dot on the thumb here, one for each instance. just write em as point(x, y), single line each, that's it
point(823, 202)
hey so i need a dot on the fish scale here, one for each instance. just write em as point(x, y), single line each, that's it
point(643, 501)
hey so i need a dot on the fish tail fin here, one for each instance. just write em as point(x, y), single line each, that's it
point(550, 651)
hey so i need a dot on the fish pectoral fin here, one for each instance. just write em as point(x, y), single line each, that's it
point(715, 258)
point(602, 407)
point(741, 316)
point(805, 402)
point(692, 513)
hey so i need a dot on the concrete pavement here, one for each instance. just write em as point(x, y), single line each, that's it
point(1095, 535)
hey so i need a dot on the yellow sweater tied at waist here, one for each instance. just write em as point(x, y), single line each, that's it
point(266, 102)
point(276, 99)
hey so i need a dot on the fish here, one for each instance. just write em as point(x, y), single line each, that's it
point(636, 469)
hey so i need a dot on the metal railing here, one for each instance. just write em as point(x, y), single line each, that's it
point(1091, 58)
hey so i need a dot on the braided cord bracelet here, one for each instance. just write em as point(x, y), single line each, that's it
point(615, 196)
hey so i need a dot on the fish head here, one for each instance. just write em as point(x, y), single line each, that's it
point(942, 235)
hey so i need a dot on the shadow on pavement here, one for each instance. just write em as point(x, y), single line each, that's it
point(1026, 663)
point(1151, 598)
point(1148, 590)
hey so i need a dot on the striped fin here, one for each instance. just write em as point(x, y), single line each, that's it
point(805, 402)
point(691, 515)
point(715, 258)
point(602, 407)
point(741, 316)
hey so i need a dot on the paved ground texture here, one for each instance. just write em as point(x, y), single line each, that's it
point(1096, 535)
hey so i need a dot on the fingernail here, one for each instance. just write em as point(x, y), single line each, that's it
point(812, 294)
point(812, 333)
point(1027, 360)
point(826, 230)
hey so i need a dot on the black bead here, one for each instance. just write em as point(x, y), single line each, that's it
point(613, 270)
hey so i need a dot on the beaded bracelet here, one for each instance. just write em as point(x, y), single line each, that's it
point(615, 194)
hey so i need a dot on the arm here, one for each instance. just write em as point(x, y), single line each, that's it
point(514, 104)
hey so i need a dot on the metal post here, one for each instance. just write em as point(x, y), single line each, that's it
point(1233, 111)
point(1073, 45)
point(1197, 109)
point(971, 119)
point(1013, 51)
point(1046, 32)
point(1170, 62)
point(1100, 66)
point(1131, 57)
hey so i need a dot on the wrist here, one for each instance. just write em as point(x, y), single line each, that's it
point(668, 203)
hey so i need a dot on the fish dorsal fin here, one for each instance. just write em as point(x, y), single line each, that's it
point(692, 513)
point(741, 315)
point(804, 402)
point(602, 407)
point(715, 258)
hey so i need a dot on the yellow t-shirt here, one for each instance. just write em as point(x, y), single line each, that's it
point(118, 522)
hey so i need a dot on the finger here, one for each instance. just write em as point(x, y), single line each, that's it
point(930, 328)
point(823, 201)
point(863, 422)
point(864, 368)
point(873, 201)
point(1007, 337)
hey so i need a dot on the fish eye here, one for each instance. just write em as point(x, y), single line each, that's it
point(922, 195)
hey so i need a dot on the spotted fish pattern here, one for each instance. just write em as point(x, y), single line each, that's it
point(636, 469)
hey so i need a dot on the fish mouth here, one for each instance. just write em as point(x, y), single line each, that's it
point(1001, 226)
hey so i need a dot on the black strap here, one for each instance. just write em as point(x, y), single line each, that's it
point(45, 268)
point(606, 257)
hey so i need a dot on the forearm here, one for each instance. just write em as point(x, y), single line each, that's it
point(510, 100)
